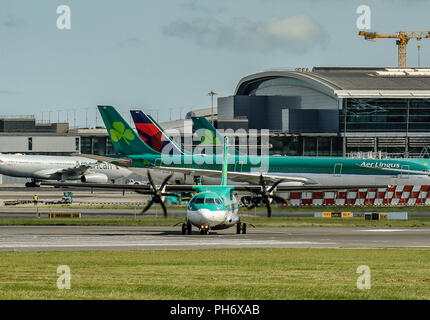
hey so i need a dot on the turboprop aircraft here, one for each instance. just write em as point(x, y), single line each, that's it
point(41, 167)
point(323, 171)
point(212, 207)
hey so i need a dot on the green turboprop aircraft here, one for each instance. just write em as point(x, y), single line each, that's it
point(291, 171)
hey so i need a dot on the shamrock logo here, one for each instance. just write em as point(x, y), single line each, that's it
point(118, 132)
point(209, 138)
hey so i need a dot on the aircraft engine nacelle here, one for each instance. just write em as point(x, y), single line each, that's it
point(95, 178)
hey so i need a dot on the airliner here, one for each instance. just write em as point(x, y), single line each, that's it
point(60, 168)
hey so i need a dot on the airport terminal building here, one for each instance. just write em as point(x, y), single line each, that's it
point(335, 111)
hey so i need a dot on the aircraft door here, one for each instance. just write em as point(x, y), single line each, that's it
point(404, 175)
point(337, 170)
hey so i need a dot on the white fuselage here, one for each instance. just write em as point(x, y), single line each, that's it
point(40, 167)
point(321, 179)
point(213, 219)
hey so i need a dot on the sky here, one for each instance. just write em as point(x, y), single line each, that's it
point(165, 56)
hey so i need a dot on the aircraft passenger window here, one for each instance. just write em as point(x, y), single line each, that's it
point(209, 200)
point(199, 201)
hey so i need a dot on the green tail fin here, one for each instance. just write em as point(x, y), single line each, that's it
point(225, 163)
point(203, 123)
point(124, 139)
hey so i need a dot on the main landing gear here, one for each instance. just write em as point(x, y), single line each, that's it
point(186, 228)
point(32, 184)
point(241, 227)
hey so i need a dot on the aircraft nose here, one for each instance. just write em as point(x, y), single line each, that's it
point(209, 217)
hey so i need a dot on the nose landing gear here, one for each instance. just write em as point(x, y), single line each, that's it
point(204, 230)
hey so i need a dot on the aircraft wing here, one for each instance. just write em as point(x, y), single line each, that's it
point(250, 177)
point(147, 189)
point(123, 162)
point(424, 173)
point(141, 188)
point(281, 188)
point(75, 171)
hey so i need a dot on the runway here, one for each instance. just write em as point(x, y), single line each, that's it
point(41, 238)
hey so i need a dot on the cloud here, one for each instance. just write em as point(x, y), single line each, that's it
point(296, 34)
point(9, 92)
point(196, 6)
point(134, 41)
point(12, 21)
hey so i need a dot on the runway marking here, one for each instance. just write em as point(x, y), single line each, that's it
point(383, 230)
point(120, 241)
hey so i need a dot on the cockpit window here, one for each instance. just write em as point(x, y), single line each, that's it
point(218, 201)
point(209, 200)
point(199, 201)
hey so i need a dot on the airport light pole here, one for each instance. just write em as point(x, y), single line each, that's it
point(212, 94)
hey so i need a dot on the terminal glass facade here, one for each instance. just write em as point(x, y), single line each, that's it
point(385, 115)
point(97, 145)
point(311, 146)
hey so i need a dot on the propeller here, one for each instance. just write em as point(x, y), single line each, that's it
point(265, 195)
point(158, 194)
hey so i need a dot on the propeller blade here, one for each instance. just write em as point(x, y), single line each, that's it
point(165, 181)
point(274, 185)
point(164, 209)
point(269, 209)
point(254, 191)
point(154, 188)
point(262, 183)
point(148, 205)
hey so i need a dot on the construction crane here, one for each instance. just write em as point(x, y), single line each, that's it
point(402, 37)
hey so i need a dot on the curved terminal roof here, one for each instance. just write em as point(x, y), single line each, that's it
point(344, 82)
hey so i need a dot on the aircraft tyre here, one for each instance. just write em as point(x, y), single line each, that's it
point(184, 228)
point(244, 228)
point(32, 184)
point(189, 228)
point(238, 227)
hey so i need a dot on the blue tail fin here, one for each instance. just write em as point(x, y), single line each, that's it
point(152, 134)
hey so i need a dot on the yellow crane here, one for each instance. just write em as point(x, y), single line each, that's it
point(402, 37)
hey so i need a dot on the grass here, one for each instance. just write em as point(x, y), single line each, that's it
point(257, 221)
point(218, 274)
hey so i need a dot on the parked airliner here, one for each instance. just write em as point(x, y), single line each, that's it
point(60, 168)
